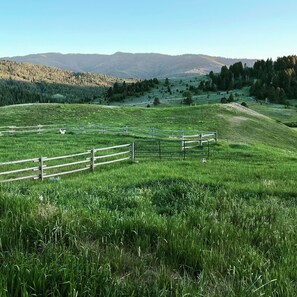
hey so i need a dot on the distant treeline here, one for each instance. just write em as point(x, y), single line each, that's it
point(18, 92)
point(121, 91)
point(275, 81)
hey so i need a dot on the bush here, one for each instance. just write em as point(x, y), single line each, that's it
point(156, 101)
point(231, 98)
point(224, 100)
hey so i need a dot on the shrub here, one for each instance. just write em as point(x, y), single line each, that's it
point(224, 100)
point(156, 101)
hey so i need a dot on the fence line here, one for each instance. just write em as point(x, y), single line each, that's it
point(126, 130)
point(169, 149)
point(49, 167)
point(46, 171)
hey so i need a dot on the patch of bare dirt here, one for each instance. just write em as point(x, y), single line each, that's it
point(246, 110)
point(237, 120)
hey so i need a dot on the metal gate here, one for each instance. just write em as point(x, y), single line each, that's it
point(154, 148)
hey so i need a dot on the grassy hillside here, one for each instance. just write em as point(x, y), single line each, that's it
point(282, 113)
point(233, 122)
point(155, 228)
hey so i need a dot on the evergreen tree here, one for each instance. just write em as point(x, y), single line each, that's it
point(188, 100)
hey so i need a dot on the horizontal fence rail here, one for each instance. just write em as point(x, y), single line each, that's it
point(8, 130)
point(126, 130)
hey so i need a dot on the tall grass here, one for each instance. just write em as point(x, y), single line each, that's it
point(171, 231)
point(226, 227)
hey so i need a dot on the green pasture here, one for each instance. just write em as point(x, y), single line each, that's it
point(278, 112)
point(224, 227)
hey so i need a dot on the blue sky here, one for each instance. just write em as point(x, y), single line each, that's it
point(238, 29)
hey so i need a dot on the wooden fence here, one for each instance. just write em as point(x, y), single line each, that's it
point(192, 141)
point(45, 167)
point(126, 130)
point(8, 130)
point(51, 167)
point(154, 143)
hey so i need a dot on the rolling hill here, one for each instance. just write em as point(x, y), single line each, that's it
point(31, 73)
point(234, 123)
point(127, 65)
point(157, 227)
point(27, 83)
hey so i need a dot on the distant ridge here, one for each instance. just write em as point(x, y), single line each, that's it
point(22, 83)
point(32, 73)
point(127, 65)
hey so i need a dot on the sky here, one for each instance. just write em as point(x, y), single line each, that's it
point(257, 29)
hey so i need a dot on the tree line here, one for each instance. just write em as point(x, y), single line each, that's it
point(118, 92)
point(18, 92)
point(272, 80)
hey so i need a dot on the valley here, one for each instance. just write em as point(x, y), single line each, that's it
point(148, 148)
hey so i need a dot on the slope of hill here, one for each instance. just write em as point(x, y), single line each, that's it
point(27, 72)
point(28, 83)
point(234, 123)
point(159, 227)
point(127, 65)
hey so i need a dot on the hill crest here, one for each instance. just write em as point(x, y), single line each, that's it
point(234, 124)
point(133, 65)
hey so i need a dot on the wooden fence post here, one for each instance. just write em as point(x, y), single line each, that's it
point(152, 132)
point(182, 142)
point(92, 159)
point(12, 129)
point(132, 151)
point(39, 129)
point(41, 173)
point(159, 149)
point(184, 149)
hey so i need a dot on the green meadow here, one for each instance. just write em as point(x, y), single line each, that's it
point(224, 227)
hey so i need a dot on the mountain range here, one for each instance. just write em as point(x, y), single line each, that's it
point(128, 65)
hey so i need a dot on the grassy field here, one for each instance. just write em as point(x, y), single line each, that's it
point(281, 113)
point(226, 227)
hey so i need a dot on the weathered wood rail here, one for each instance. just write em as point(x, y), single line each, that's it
point(192, 141)
point(8, 130)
